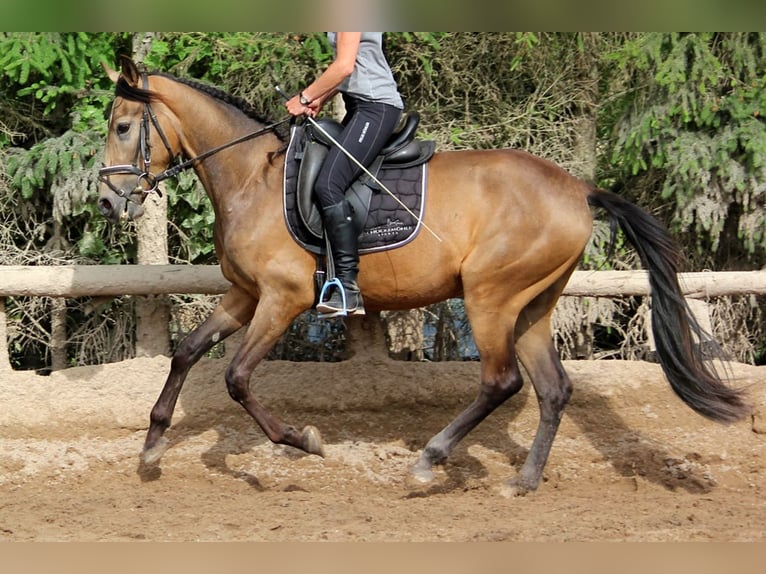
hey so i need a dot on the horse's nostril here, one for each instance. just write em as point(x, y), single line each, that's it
point(105, 206)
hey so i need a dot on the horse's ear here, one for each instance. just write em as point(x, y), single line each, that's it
point(130, 71)
point(113, 74)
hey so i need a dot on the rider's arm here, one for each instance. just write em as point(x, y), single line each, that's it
point(347, 46)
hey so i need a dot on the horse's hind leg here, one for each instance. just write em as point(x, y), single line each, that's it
point(553, 389)
point(500, 379)
point(234, 310)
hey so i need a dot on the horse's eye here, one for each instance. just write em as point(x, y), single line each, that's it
point(123, 128)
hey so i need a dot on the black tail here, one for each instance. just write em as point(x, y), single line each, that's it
point(673, 325)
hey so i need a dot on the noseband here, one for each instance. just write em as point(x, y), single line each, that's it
point(146, 181)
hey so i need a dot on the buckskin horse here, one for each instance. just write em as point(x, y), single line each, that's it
point(511, 229)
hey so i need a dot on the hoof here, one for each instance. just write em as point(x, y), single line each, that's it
point(312, 441)
point(513, 489)
point(421, 472)
point(154, 454)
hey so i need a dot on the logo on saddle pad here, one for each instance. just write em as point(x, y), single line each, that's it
point(382, 223)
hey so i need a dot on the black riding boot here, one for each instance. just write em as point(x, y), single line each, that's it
point(344, 243)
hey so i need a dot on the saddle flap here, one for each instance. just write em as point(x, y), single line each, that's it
point(358, 196)
point(386, 225)
point(313, 156)
point(309, 151)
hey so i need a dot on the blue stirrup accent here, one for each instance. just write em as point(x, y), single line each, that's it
point(327, 284)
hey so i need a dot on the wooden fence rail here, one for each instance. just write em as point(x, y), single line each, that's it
point(112, 280)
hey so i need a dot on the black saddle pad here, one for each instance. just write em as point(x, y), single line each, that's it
point(388, 224)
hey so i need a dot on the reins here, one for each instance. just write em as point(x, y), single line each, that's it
point(176, 169)
point(144, 150)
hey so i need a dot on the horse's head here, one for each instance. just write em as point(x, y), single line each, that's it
point(135, 133)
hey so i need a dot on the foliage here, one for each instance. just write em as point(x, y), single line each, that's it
point(693, 116)
point(671, 120)
point(52, 81)
point(483, 90)
point(54, 92)
point(191, 225)
point(244, 64)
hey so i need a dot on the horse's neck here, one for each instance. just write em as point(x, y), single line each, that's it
point(208, 124)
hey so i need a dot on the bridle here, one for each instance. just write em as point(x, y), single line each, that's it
point(146, 181)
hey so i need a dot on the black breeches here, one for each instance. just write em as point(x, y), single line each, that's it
point(367, 127)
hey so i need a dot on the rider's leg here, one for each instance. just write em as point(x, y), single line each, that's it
point(367, 127)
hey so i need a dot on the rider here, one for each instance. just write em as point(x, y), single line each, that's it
point(362, 75)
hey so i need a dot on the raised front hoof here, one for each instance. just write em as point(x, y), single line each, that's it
point(152, 455)
point(312, 441)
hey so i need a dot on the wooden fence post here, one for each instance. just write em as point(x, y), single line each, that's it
point(5, 361)
point(58, 342)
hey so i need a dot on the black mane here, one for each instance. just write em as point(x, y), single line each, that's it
point(141, 95)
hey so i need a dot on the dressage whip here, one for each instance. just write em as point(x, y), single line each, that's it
point(359, 164)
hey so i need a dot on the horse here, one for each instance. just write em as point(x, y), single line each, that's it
point(509, 228)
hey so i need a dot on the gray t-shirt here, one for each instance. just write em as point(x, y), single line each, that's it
point(371, 79)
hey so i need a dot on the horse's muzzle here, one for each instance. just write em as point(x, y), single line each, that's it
point(114, 208)
point(108, 209)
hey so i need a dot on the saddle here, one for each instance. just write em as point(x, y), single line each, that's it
point(401, 151)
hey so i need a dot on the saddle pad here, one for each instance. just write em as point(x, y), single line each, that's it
point(388, 224)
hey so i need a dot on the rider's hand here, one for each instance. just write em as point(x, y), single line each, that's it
point(296, 108)
point(314, 107)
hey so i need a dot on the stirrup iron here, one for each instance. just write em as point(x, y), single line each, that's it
point(334, 282)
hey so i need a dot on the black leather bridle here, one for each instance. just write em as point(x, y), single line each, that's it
point(146, 181)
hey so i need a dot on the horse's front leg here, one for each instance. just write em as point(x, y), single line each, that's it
point(271, 320)
point(234, 310)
